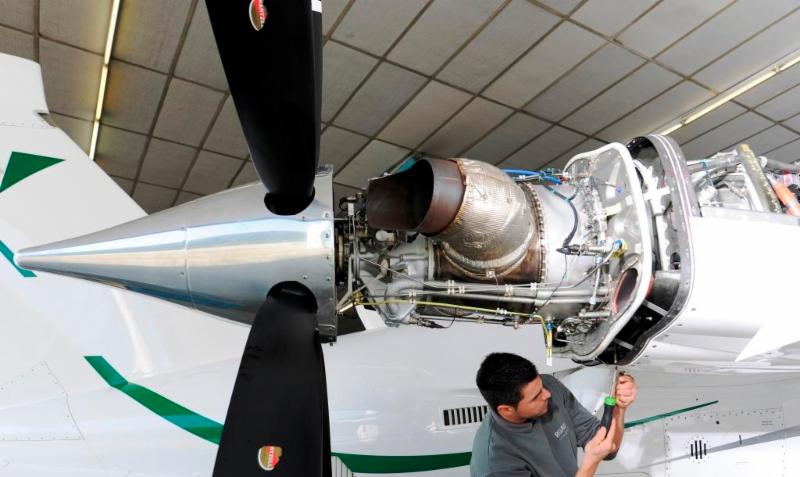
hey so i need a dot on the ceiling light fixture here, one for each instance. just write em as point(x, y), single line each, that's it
point(112, 27)
point(737, 90)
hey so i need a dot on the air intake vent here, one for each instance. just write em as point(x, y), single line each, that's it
point(464, 415)
point(698, 449)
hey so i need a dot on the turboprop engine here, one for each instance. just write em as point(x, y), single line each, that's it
point(626, 255)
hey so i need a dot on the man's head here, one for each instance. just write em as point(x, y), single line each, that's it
point(512, 387)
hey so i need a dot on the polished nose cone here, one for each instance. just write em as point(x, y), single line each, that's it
point(220, 254)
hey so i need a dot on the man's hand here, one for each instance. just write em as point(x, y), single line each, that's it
point(601, 445)
point(625, 391)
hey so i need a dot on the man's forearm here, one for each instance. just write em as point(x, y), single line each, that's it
point(587, 468)
point(619, 420)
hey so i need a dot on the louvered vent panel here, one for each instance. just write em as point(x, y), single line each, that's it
point(464, 415)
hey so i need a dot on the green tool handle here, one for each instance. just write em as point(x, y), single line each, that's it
point(608, 412)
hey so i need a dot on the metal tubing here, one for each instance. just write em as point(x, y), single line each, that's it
point(494, 298)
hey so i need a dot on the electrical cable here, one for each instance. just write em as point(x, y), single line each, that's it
point(525, 175)
point(572, 232)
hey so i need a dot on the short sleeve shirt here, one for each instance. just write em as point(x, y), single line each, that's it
point(544, 447)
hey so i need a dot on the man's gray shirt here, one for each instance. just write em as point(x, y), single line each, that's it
point(544, 447)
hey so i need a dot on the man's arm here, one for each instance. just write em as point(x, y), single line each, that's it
point(601, 445)
point(625, 393)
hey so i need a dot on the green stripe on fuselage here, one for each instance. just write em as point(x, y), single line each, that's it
point(182, 417)
point(22, 165)
point(665, 415)
point(10, 257)
point(358, 463)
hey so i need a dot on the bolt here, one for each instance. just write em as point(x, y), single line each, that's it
point(305, 277)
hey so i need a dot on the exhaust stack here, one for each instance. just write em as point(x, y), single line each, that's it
point(487, 225)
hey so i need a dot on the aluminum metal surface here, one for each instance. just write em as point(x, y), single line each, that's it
point(685, 205)
point(424, 198)
point(494, 226)
point(220, 254)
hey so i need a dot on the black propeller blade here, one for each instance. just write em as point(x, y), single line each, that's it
point(272, 54)
point(278, 416)
point(277, 421)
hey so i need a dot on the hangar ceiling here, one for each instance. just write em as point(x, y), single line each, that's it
point(521, 83)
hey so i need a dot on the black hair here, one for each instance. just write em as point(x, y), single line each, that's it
point(502, 376)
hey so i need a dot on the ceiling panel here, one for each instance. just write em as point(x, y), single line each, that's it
point(470, 124)
point(562, 6)
point(551, 58)
point(771, 88)
point(166, 163)
point(623, 97)
point(18, 14)
point(793, 123)
point(656, 113)
point(338, 146)
point(16, 43)
point(384, 93)
point(226, 135)
point(372, 161)
point(132, 96)
point(787, 153)
point(149, 31)
point(119, 152)
point(585, 146)
point(544, 149)
point(211, 173)
point(69, 89)
point(153, 198)
point(187, 112)
point(78, 130)
point(729, 133)
point(723, 114)
point(512, 32)
point(330, 13)
point(343, 70)
point(374, 26)
point(758, 53)
point(184, 197)
point(610, 17)
point(246, 175)
point(731, 27)
point(772, 138)
point(199, 58)
point(507, 138)
point(667, 22)
point(523, 54)
point(83, 23)
point(610, 64)
point(783, 106)
point(439, 32)
point(424, 114)
point(124, 184)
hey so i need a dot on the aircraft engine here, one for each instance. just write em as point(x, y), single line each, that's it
point(601, 254)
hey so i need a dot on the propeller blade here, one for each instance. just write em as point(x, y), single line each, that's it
point(271, 51)
point(278, 414)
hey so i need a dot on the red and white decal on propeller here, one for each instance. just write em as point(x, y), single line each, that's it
point(258, 14)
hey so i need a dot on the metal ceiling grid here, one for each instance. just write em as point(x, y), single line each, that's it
point(514, 82)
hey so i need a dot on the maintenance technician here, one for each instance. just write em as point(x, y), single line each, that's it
point(535, 425)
